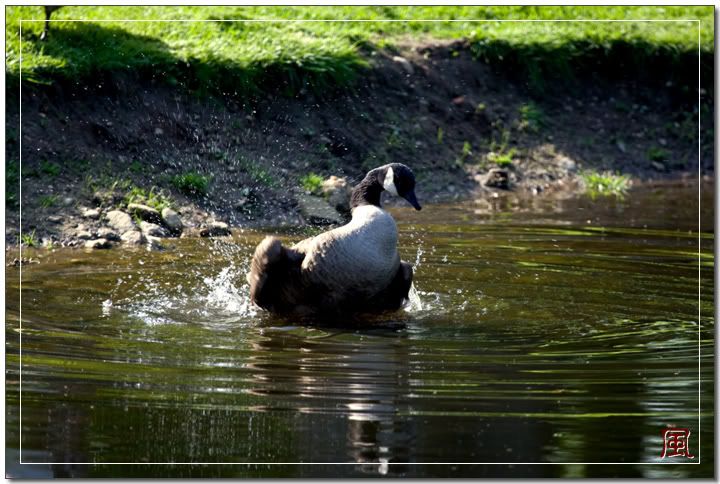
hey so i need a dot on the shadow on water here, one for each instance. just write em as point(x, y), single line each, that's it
point(538, 339)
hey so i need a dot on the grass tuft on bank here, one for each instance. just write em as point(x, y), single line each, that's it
point(216, 53)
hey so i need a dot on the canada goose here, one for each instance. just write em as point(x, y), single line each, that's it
point(355, 268)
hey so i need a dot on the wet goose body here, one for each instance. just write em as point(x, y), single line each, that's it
point(353, 268)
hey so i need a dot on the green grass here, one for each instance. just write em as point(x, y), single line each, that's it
point(503, 159)
point(191, 183)
point(312, 183)
point(531, 117)
point(244, 57)
point(258, 173)
point(48, 201)
point(49, 168)
point(657, 154)
point(154, 197)
point(29, 239)
point(605, 183)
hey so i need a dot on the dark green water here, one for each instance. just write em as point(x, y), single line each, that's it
point(559, 338)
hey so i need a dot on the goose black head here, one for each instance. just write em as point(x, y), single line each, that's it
point(400, 181)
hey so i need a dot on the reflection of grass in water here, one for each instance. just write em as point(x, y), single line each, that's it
point(605, 183)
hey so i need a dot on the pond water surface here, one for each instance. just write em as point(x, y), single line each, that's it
point(548, 338)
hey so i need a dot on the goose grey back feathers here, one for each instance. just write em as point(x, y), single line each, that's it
point(353, 268)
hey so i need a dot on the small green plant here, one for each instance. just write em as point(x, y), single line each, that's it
point(136, 167)
point(480, 108)
point(500, 146)
point(50, 168)
point(440, 135)
point(154, 197)
point(464, 154)
point(503, 159)
point(605, 183)
point(312, 183)
point(531, 117)
point(29, 239)
point(657, 154)
point(191, 183)
point(393, 140)
point(258, 173)
point(48, 201)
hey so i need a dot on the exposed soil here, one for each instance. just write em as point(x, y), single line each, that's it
point(430, 106)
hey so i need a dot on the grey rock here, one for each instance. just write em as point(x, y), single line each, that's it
point(146, 213)
point(97, 244)
point(154, 243)
point(91, 213)
point(56, 219)
point(83, 235)
point(106, 197)
point(317, 211)
point(215, 229)
point(566, 164)
point(67, 201)
point(172, 220)
point(152, 230)
point(406, 65)
point(658, 166)
point(109, 234)
point(497, 178)
point(120, 221)
point(191, 232)
point(133, 237)
point(337, 192)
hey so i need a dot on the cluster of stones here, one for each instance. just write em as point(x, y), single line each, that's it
point(153, 226)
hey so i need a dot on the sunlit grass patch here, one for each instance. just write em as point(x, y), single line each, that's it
point(219, 51)
point(191, 183)
point(154, 197)
point(605, 183)
point(312, 183)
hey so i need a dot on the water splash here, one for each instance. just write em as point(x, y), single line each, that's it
point(198, 298)
point(414, 303)
point(225, 296)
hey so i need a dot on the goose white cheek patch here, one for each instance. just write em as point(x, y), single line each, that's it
point(389, 182)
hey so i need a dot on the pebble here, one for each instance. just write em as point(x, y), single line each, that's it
point(92, 213)
point(154, 243)
point(406, 65)
point(67, 201)
point(172, 220)
point(120, 221)
point(498, 178)
point(146, 213)
point(97, 244)
point(337, 192)
point(658, 166)
point(109, 234)
point(83, 235)
point(215, 229)
point(317, 211)
point(133, 237)
point(152, 230)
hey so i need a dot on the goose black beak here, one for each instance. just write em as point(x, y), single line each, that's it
point(410, 197)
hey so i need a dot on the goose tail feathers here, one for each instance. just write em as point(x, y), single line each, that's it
point(268, 275)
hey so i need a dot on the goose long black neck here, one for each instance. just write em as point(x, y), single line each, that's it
point(368, 191)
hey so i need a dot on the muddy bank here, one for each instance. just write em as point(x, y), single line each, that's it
point(464, 128)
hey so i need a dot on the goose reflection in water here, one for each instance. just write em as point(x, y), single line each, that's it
point(359, 393)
